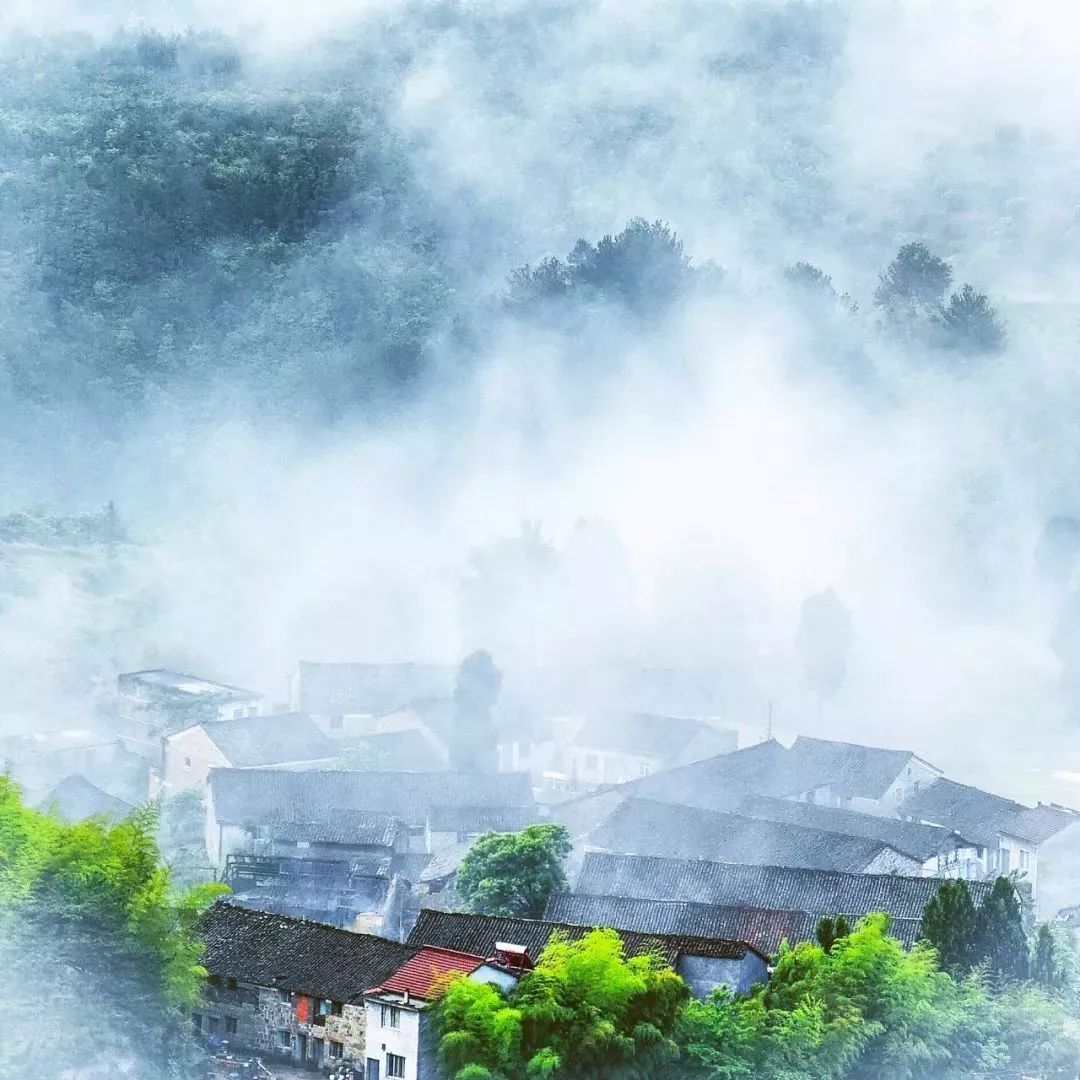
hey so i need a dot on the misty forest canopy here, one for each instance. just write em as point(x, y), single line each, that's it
point(184, 216)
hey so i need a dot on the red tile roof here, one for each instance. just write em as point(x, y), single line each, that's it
point(428, 967)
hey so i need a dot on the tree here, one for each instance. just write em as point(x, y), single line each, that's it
point(949, 925)
point(999, 933)
point(1047, 967)
point(915, 280)
point(971, 324)
point(585, 1011)
point(830, 929)
point(513, 874)
point(476, 692)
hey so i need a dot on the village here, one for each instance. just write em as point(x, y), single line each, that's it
point(339, 819)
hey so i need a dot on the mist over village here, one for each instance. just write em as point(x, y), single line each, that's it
point(539, 539)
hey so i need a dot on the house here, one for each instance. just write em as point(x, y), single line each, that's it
point(584, 752)
point(241, 801)
point(644, 827)
point(765, 929)
point(346, 699)
point(402, 1043)
point(776, 888)
point(706, 961)
point(76, 799)
point(411, 749)
point(283, 741)
point(289, 989)
point(940, 852)
point(151, 703)
point(1040, 843)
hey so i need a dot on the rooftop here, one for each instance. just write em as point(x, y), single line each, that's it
point(269, 740)
point(359, 828)
point(762, 928)
point(178, 683)
point(828, 892)
point(481, 933)
point(646, 734)
point(368, 689)
point(424, 974)
point(397, 751)
point(645, 827)
point(75, 799)
point(293, 954)
point(863, 771)
point(252, 796)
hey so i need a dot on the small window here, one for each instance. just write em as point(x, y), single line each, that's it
point(303, 845)
point(284, 1038)
point(337, 723)
point(230, 984)
point(1025, 859)
point(196, 1021)
point(395, 1065)
point(253, 710)
point(214, 980)
point(391, 1016)
point(187, 764)
point(335, 1008)
point(237, 713)
point(284, 995)
point(230, 1025)
point(644, 769)
point(337, 1050)
point(213, 1024)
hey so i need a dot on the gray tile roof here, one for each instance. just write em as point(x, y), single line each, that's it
point(359, 828)
point(777, 887)
point(645, 827)
point(861, 771)
point(479, 933)
point(764, 928)
point(639, 733)
point(470, 819)
point(75, 799)
point(396, 751)
point(269, 740)
point(918, 841)
point(344, 689)
point(252, 796)
point(293, 954)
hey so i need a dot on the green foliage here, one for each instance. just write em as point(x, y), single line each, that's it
point(87, 914)
point(915, 281)
point(476, 692)
point(949, 925)
point(830, 929)
point(999, 933)
point(1049, 967)
point(585, 1011)
point(513, 874)
point(970, 323)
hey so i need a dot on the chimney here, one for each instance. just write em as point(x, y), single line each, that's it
point(405, 997)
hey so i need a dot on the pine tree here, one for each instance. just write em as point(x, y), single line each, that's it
point(830, 929)
point(999, 933)
point(1047, 966)
point(949, 923)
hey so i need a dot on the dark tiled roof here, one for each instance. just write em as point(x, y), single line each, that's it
point(479, 934)
point(342, 689)
point(639, 733)
point(269, 740)
point(162, 682)
point(482, 819)
point(423, 974)
point(1039, 823)
point(397, 751)
point(971, 812)
point(779, 887)
point(360, 828)
point(644, 827)
point(862, 771)
point(76, 799)
point(763, 928)
point(295, 954)
point(252, 796)
point(918, 841)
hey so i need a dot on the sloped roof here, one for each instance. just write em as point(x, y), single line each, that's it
point(396, 751)
point(444, 862)
point(863, 771)
point(342, 689)
point(422, 974)
point(293, 954)
point(482, 818)
point(911, 838)
point(75, 799)
point(269, 740)
point(762, 928)
point(645, 827)
point(480, 933)
point(970, 811)
point(177, 684)
point(252, 796)
point(1039, 823)
point(367, 828)
point(778, 887)
point(639, 733)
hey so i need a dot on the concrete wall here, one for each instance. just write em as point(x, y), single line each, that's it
point(1058, 872)
point(189, 757)
point(403, 1040)
point(891, 861)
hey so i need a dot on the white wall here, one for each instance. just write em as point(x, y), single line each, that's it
point(403, 1041)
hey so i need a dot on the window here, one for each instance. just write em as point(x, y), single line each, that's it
point(213, 1024)
point(303, 845)
point(230, 1025)
point(187, 764)
point(335, 1008)
point(644, 768)
point(391, 1017)
point(337, 1050)
point(196, 1021)
point(237, 713)
point(284, 1039)
point(253, 710)
point(1003, 860)
point(284, 995)
point(230, 984)
point(395, 1065)
point(214, 980)
point(337, 723)
point(1025, 859)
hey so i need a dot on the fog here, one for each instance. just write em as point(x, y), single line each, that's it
point(697, 475)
